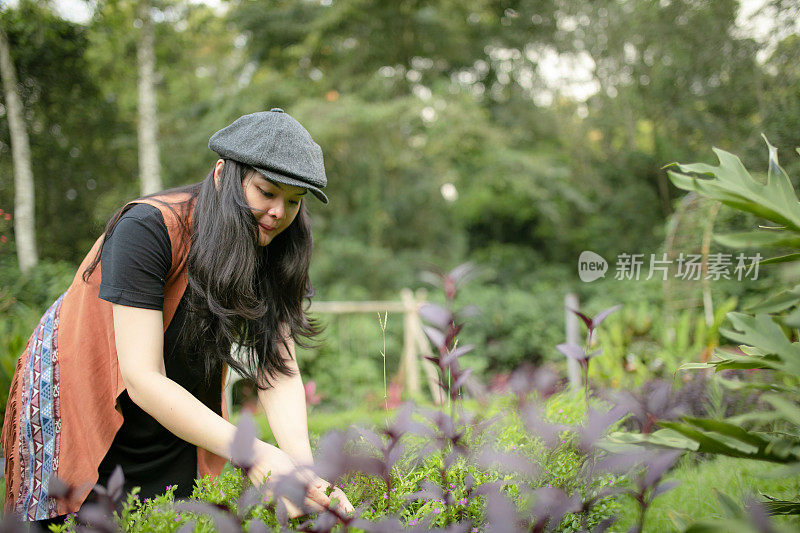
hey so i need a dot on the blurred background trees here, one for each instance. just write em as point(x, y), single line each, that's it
point(515, 134)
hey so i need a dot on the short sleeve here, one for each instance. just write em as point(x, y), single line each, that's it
point(136, 258)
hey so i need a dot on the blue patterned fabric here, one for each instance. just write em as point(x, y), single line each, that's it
point(40, 418)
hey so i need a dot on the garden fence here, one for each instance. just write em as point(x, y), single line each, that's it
point(415, 343)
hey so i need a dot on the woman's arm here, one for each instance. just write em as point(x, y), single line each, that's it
point(284, 403)
point(139, 339)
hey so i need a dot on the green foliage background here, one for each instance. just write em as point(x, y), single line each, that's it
point(404, 98)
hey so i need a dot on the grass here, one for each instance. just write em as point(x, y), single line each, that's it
point(694, 497)
point(321, 421)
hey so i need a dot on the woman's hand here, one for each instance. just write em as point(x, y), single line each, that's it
point(337, 494)
point(271, 463)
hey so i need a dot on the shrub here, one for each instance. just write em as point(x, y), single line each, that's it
point(23, 299)
point(765, 336)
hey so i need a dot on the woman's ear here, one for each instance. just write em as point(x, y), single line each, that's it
point(217, 170)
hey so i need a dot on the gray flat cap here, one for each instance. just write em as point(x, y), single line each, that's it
point(277, 146)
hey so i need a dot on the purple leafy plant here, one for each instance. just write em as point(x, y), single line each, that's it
point(582, 353)
point(461, 438)
point(445, 323)
point(646, 467)
point(654, 401)
point(99, 515)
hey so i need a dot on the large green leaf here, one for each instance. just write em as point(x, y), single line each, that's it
point(733, 443)
point(732, 185)
point(761, 331)
point(728, 439)
point(791, 320)
point(696, 366)
point(712, 436)
point(731, 430)
point(749, 363)
point(784, 446)
point(774, 170)
point(781, 259)
point(663, 438)
point(778, 302)
point(758, 239)
point(762, 338)
point(784, 507)
point(731, 360)
point(756, 416)
point(753, 351)
point(737, 385)
point(738, 362)
point(788, 409)
point(710, 443)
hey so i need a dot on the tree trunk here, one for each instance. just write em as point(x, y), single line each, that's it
point(24, 229)
point(149, 167)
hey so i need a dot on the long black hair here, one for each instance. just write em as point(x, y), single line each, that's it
point(239, 293)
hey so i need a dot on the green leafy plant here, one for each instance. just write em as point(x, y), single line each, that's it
point(767, 334)
point(23, 299)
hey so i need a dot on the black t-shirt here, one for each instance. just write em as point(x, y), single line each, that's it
point(135, 261)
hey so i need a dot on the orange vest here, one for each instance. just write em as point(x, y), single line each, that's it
point(62, 413)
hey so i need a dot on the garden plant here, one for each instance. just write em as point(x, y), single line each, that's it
point(532, 461)
point(539, 458)
point(767, 334)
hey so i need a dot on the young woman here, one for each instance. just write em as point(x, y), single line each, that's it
point(127, 367)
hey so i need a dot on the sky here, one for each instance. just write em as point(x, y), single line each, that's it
point(74, 10)
point(78, 10)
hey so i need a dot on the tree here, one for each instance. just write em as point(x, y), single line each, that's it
point(198, 80)
point(780, 99)
point(76, 139)
point(24, 231)
point(149, 167)
point(345, 44)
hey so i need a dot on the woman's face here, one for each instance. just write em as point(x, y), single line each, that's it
point(273, 204)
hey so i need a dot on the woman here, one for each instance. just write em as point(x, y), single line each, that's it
point(127, 367)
